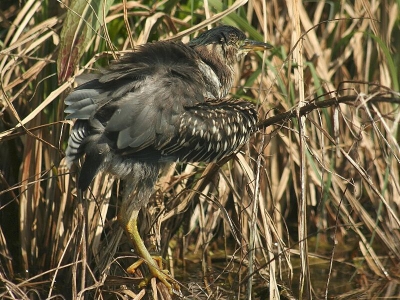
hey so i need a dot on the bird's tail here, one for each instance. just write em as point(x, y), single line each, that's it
point(76, 144)
point(77, 147)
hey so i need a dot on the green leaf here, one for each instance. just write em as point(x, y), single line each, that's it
point(81, 24)
point(391, 65)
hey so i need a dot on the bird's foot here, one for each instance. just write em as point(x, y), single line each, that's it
point(157, 272)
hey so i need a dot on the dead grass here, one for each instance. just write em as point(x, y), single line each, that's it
point(314, 193)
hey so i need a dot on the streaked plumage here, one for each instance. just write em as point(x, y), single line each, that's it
point(163, 102)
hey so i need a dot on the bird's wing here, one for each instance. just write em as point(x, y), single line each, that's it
point(140, 97)
point(150, 111)
point(211, 130)
point(165, 84)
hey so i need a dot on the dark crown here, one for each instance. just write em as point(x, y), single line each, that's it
point(219, 35)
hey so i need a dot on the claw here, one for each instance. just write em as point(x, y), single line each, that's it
point(156, 272)
point(154, 263)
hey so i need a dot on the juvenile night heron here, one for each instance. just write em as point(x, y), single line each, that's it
point(162, 103)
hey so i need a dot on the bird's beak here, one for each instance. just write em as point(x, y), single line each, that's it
point(248, 45)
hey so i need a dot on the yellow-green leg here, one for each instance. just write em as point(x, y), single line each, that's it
point(141, 250)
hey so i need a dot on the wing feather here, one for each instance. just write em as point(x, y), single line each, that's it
point(212, 130)
point(135, 104)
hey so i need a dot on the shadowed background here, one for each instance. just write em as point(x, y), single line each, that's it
point(331, 184)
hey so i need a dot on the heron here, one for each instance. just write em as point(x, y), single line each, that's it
point(164, 102)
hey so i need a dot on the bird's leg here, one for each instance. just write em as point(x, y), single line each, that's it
point(141, 250)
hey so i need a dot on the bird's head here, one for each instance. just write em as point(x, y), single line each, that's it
point(228, 43)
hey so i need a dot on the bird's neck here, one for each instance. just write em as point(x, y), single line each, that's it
point(217, 70)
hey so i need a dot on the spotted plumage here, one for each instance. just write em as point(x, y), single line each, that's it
point(212, 130)
point(163, 102)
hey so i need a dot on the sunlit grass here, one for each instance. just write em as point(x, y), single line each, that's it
point(54, 241)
